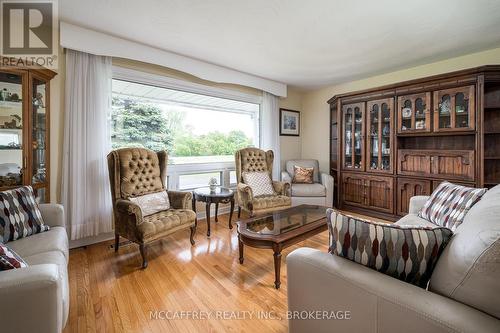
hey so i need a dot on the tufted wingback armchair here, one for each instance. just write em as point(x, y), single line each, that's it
point(137, 171)
point(257, 160)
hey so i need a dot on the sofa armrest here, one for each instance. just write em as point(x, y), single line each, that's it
point(35, 291)
point(127, 207)
point(52, 214)
point(281, 188)
point(373, 302)
point(328, 182)
point(417, 203)
point(180, 200)
point(245, 194)
point(285, 177)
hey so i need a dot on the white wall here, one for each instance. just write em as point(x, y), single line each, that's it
point(291, 146)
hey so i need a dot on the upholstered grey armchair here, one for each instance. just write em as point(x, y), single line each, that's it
point(137, 171)
point(257, 160)
point(320, 192)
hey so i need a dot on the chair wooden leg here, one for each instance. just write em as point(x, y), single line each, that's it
point(143, 250)
point(193, 231)
point(117, 242)
point(239, 212)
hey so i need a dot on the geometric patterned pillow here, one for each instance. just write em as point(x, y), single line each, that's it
point(449, 203)
point(19, 214)
point(10, 259)
point(407, 253)
point(259, 182)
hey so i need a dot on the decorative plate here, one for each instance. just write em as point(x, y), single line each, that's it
point(406, 112)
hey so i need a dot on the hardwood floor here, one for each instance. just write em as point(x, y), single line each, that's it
point(110, 293)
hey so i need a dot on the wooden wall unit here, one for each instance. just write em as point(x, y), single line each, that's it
point(24, 129)
point(390, 143)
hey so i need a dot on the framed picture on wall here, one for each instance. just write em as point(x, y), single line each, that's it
point(289, 122)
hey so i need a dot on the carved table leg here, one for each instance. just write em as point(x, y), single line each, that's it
point(207, 206)
point(240, 249)
point(216, 212)
point(231, 213)
point(277, 265)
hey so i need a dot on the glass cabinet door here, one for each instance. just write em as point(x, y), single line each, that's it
point(454, 109)
point(379, 135)
point(353, 128)
point(11, 129)
point(414, 113)
point(39, 137)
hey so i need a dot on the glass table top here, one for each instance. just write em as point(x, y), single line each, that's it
point(286, 220)
point(218, 192)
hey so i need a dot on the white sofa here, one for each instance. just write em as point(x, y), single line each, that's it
point(463, 293)
point(36, 298)
point(318, 193)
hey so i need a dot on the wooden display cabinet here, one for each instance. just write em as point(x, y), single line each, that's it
point(447, 127)
point(24, 129)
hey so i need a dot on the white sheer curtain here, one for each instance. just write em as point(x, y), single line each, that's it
point(270, 129)
point(85, 185)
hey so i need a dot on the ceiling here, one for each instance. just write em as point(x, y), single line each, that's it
point(306, 44)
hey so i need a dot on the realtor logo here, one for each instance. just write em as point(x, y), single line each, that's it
point(28, 32)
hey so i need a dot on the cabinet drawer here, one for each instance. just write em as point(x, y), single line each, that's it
point(414, 162)
point(454, 164)
point(445, 164)
point(408, 188)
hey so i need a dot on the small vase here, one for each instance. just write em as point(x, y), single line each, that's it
point(212, 188)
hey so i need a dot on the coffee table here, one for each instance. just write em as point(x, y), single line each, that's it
point(281, 229)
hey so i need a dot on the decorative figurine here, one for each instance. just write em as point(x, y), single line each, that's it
point(212, 183)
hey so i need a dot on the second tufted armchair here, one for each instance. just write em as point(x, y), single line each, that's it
point(137, 171)
point(257, 160)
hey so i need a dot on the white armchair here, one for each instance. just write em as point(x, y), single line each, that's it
point(318, 193)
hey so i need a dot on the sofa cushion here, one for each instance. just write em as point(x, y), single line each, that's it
point(19, 214)
point(55, 239)
point(259, 182)
point(306, 164)
point(302, 175)
point(407, 253)
point(10, 259)
point(271, 201)
point(308, 190)
point(414, 220)
point(469, 268)
point(56, 258)
point(152, 203)
point(449, 203)
point(164, 222)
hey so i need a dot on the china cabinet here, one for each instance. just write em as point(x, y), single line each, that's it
point(24, 129)
point(390, 143)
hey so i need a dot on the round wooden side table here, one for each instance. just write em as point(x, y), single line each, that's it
point(217, 196)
